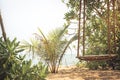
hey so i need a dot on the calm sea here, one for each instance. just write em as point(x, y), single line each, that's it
point(69, 59)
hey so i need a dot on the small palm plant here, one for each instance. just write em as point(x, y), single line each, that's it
point(50, 48)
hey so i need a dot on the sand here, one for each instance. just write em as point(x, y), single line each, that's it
point(74, 73)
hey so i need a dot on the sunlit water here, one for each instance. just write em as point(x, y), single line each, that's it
point(69, 59)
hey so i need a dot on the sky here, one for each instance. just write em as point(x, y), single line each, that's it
point(22, 18)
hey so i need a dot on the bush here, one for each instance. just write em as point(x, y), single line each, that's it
point(81, 64)
point(94, 65)
point(14, 67)
point(27, 72)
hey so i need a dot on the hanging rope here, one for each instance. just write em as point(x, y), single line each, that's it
point(78, 45)
point(84, 21)
point(109, 32)
point(114, 25)
point(108, 26)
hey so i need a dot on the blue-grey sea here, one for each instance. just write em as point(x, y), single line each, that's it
point(69, 59)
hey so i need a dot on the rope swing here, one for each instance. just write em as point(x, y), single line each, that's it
point(110, 31)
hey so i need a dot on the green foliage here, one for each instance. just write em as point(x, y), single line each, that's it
point(81, 64)
point(92, 6)
point(14, 67)
point(96, 27)
point(73, 6)
point(50, 48)
point(94, 65)
point(27, 72)
point(96, 36)
point(8, 55)
point(115, 63)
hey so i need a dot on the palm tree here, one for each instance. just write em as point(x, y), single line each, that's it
point(52, 47)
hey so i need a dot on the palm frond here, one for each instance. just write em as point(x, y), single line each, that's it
point(44, 37)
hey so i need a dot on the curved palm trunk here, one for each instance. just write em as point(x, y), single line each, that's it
point(70, 41)
point(2, 28)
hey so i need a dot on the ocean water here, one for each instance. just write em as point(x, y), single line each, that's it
point(69, 59)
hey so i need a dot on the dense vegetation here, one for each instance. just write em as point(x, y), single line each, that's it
point(14, 67)
point(96, 27)
point(50, 48)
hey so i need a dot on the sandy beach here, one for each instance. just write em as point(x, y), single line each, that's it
point(74, 73)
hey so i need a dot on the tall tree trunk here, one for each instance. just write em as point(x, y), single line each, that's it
point(2, 28)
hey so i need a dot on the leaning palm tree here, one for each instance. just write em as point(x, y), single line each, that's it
point(2, 28)
point(50, 48)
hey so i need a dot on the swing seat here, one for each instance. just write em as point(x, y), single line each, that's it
point(97, 57)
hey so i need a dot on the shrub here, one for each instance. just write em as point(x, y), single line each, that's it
point(27, 72)
point(81, 64)
point(94, 65)
point(14, 67)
